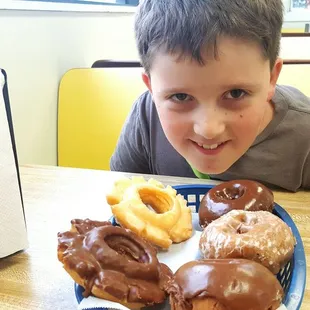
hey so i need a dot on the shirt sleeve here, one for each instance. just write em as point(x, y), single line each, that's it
point(131, 153)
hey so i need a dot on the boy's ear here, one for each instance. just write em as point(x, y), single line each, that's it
point(147, 81)
point(274, 77)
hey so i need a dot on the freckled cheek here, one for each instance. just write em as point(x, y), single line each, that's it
point(247, 124)
point(175, 124)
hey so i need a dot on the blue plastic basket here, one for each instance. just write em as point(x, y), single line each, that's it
point(292, 277)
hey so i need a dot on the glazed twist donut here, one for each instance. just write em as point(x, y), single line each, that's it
point(222, 284)
point(234, 195)
point(113, 263)
point(171, 221)
point(256, 235)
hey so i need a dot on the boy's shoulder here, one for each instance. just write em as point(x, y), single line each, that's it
point(143, 106)
point(292, 109)
point(293, 98)
point(144, 101)
point(144, 111)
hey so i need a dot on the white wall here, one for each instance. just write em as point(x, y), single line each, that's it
point(37, 48)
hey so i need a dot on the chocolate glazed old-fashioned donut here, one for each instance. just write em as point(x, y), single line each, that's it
point(234, 195)
point(113, 263)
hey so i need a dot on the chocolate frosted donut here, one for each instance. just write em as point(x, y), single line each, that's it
point(234, 284)
point(113, 263)
point(239, 195)
point(83, 226)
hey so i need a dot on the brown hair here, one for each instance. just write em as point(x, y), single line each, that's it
point(187, 27)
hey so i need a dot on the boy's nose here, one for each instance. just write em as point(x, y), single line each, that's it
point(210, 127)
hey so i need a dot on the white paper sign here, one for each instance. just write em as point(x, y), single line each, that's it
point(13, 235)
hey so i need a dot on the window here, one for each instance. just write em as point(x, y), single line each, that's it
point(71, 5)
point(297, 11)
point(93, 2)
point(301, 4)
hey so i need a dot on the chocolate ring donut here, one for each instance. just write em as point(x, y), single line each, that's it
point(113, 263)
point(235, 284)
point(234, 195)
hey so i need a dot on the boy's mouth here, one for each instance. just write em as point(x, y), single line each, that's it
point(210, 149)
point(210, 146)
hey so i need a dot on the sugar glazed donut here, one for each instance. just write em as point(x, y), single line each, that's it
point(234, 195)
point(113, 263)
point(169, 221)
point(256, 235)
point(223, 284)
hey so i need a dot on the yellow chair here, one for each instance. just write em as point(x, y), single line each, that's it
point(92, 107)
point(297, 76)
point(292, 30)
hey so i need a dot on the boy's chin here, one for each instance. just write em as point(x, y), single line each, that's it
point(213, 170)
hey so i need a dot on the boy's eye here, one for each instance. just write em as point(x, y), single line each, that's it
point(235, 94)
point(180, 97)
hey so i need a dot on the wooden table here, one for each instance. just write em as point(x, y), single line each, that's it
point(34, 279)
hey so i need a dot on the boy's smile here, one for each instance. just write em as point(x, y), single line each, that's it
point(212, 113)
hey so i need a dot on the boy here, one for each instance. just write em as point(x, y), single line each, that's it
point(213, 108)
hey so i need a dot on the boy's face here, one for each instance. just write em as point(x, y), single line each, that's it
point(212, 114)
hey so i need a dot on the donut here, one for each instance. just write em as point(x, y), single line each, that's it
point(169, 220)
point(255, 235)
point(234, 195)
point(113, 263)
point(222, 284)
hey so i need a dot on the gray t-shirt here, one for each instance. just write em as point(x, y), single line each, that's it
point(280, 155)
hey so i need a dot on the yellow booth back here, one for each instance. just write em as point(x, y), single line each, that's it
point(92, 107)
point(297, 76)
